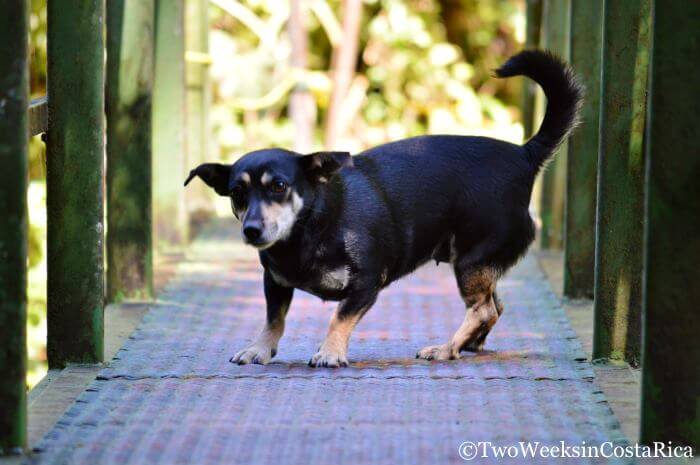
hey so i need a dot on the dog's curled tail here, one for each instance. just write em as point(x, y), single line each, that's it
point(564, 95)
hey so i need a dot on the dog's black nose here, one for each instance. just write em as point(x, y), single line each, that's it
point(252, 233)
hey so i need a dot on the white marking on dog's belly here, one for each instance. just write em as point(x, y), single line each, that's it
point(336, 279)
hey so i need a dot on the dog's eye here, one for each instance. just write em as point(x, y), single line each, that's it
point(278, 186)
point(237, 193)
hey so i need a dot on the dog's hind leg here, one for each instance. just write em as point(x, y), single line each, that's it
point(478, 344)
point(477, 288)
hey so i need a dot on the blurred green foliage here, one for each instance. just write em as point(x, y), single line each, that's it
point(426, 63)
point(36, 200)
point(424, 66)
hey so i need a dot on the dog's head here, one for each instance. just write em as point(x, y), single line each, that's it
point(269, 188)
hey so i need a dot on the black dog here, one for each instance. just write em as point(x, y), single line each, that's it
point(343, 228)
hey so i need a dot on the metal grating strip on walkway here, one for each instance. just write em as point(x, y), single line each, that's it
point(171, 397)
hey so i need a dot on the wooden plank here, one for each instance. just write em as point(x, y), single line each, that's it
point(620, 199)
point(74, 182)
point(169, 128)
point(129, 91)
point(555, 37)
point(586, 34)
point(670, 374)
point(14, 94)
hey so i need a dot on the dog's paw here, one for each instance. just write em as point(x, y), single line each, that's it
point(258, 354)
point(441, 352)
point(328, 358)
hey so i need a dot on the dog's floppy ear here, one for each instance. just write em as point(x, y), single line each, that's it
point(321, 166)
point(215, 175)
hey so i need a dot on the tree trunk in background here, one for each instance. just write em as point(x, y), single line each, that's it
point(302, 108)
point(454, 18)
point(343, 65)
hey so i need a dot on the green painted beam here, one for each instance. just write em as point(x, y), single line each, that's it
point(585, 41)
point(169, 128)
point(555, 37)
point(74, 182)
point(671, 347)
point(199, 199)
point(14, 137)
point(620, 195)
point(129, 91)
point(533, 22)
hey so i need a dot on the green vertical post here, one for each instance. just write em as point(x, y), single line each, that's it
point(620, 194)
point(671, 353)
point(14, 136)
point(533, 21)
point(74, 182)
point(586, 35)
point(200, 200)
point(130, 41)
point(555, 37)
point(169, 128)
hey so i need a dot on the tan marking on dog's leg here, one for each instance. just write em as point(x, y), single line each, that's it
point(264, 347)
point(477, 345)
point(334, 349)
point(482, 313)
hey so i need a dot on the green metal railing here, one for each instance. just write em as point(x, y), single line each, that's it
point(83, 93)
point(74, 182)
point(623, 196)
point(631, 207)
point(14, 130)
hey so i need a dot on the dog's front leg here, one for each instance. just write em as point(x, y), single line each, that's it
point(264, 347)
point(333, 351)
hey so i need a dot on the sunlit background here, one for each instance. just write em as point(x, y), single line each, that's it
point(407, 67)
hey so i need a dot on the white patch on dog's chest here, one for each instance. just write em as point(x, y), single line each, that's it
point(323, 280)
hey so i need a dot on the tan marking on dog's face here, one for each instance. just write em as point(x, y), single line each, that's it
point(245, 177)
point(279, 218)
point(266, 178)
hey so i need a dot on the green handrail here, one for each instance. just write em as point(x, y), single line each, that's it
point(14, 95)
point(74, 182)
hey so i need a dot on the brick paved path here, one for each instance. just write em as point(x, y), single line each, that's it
point(171, 397)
